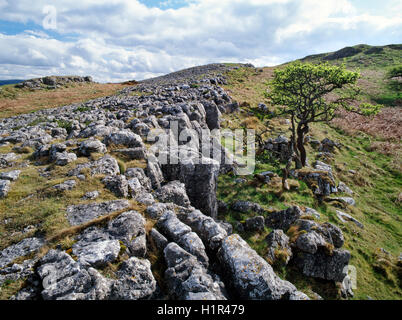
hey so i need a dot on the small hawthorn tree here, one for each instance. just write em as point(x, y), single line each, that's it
point(312, 93)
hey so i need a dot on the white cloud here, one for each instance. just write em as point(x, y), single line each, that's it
point(117, 40)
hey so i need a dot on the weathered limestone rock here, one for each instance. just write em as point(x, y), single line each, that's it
point(106, 165)
point(160, 241)
point(136, 281)
point(7, 159)
point(156, 210)
point(251, 276)
point(320, 265)
point(20, 249)
point(139, 153)
point(344, 217)
point(11, 175)
point(80, 214)
point(139, 174)
point(173, 192)
point(187, 279)
point(279, 147)
point(342, 187)
point(255, 224)
point(97, 131)
point(346, 200)
point(129, 227)
point(154, 172)
point(180, 233)
point(320, 180)
point(211, 232)
point(117, 184)
point(4, 188)
point(283, 219)
point(64, 158)
point(64, 279)
point(199, 176)
point(91, 146)
point(328, 145)
point(247, 207)
point(312, 212)
point(91, 195)
point(213, 115)
point(124, 138)
point(66, 185)
point(97, 254)
point(279, 251)
point(317, 251)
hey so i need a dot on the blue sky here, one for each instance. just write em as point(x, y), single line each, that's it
point(115, 40)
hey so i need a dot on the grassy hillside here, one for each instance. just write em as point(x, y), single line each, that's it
point(15, 101)
point(368, 162)
point(374, 64)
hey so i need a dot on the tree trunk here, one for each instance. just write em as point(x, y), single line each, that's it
point(302, 129)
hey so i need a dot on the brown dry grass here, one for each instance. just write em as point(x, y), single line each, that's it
point(385, 125)
point(248, 85)
point(68, 232)
point(29, 101)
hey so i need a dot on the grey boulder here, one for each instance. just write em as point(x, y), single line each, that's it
point(250, 275)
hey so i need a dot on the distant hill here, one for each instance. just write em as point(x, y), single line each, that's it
point(374, 64)
point(4, 82)
point(362, 56)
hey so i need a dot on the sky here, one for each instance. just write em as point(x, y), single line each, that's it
point(118, 40)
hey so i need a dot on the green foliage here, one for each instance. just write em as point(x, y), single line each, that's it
point(395, 72)
point(66, 125)
point(122, 166)
point(365, 109)
point(36, 122)
point(304, 88)
point(82, 109)
point(394, 85)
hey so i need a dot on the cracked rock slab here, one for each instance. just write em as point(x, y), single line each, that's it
point(20, 249)
point(97, 254)
point(80, 214)
point(250, 275)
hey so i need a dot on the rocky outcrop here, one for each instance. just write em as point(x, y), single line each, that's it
point(199, 174)
point(317, 251)
point(250, 275)
point(52, 82)
point(90, 146)
point(64, 279)
point(106, 165)
point(107, 258)
point(117, 184)
point(173, 192)
point(279, 148)
point(20, 249)
point(80, 214)
point(211, 232)
point(283, 219)
point(279, 251)
point(187, 279)
point(177, 231)
point(247, 207)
